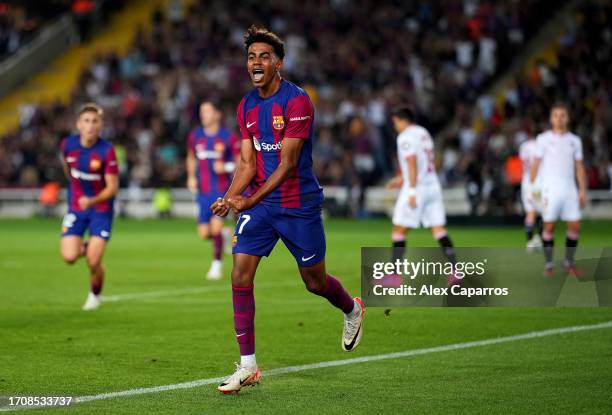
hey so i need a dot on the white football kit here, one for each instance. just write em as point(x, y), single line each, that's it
point(527, 154)
point(429, 211)
point(558, 154)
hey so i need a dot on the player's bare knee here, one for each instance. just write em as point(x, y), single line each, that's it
point(438, 231)
point(315, 285)
point(241, 277)
point(241, 280)
point(573, 227)
point(399, 230)
point(70, 258)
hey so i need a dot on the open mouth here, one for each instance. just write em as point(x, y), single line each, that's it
point(258, 75)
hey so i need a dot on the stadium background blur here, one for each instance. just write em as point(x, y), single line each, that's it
point(481, 76)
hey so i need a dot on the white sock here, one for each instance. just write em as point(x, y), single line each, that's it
point(248, 361)
point(355, 311)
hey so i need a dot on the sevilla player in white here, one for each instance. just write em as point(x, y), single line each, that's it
point(420, 198)
point(559, 162)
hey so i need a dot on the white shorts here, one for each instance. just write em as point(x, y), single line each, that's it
point(429, 210)
point(560, 202)
point(529, 203)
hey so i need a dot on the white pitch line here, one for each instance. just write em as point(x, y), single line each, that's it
point(343, 362)
point(192, 290)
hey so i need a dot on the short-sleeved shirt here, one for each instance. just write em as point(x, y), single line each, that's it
point(87, 167)
point(558, 154)
point(288, 113)
point(416, 141)
point(208, 149)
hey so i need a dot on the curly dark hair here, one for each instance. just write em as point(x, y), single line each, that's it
point(261, 34)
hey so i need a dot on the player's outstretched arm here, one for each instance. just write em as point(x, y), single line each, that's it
point(290, 155)
point(245, 172)
point(109, 191)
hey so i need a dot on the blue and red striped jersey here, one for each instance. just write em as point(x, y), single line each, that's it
point(207, 150)
point(288, 113)
point(87, 167)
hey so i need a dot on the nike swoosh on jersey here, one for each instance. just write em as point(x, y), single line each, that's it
point(249, 125)
point(310, 257)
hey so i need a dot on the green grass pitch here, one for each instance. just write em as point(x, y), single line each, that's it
point(49, 347)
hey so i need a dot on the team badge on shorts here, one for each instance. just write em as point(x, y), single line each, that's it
point(68, 222)
point(278, 122)
point(234, 240)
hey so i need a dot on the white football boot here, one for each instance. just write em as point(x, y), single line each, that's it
point(216, 270)
point(243, 376)
point(534, 244)
point(92, 303)
point(353, 328)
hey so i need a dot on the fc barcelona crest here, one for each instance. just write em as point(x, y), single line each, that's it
point(278, 122)
point(95, 164)
point(219, 146)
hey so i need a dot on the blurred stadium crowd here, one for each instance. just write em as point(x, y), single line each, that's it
point(18, 24)
point(21, 20)
point(357, 60)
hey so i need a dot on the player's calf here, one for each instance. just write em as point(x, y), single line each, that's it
point(332, 290)
point(320, 283)
point(571, 243)
point(548, 244)
point(398, 239)
point(529, 225)
point(203, 231)
point(448, 249)
point(216, 267)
